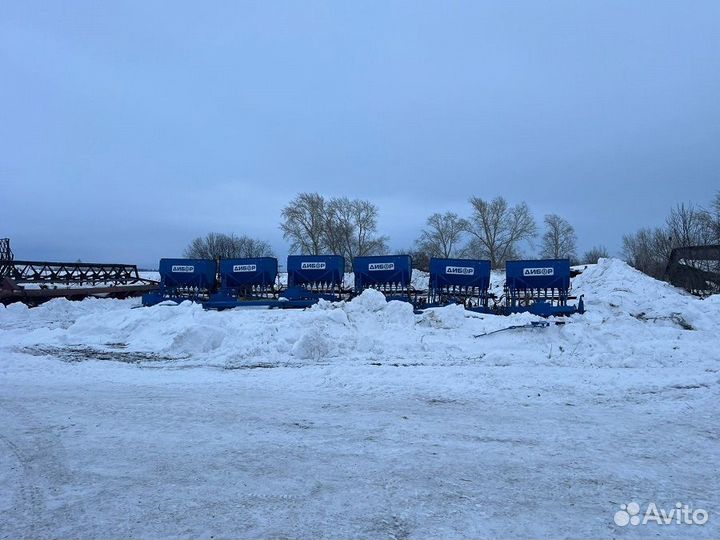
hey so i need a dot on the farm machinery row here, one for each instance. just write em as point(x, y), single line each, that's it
point(541, 287)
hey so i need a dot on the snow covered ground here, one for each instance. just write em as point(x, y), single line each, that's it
point(360, 419)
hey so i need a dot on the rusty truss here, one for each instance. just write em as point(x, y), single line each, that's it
point(6, 253)
point(34, 282)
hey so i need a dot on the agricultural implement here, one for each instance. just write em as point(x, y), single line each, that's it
point(538, 287)
point(314, 277)
point(695, 268)
point(250, 282)
point(245, 281)
point(389, 274)
point(183, 279)
point(459, 281)
point(35, 282)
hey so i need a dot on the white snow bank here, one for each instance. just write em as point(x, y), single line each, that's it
point(631, 320)
point(615, 289)
point(389, 411)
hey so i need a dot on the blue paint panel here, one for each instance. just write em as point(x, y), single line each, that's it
point(459, 273)
point(327, 270)
point(538, 274)
point(241, 273)
point(177, 273)
point(382, 270)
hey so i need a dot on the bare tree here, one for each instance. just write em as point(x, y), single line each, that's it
point(227, 246)
point(715, 218)
point(304, 224)
point(252, 247)
point(648, 250)
point(366, 241)
point(497, 229)
point(443, 235)
point(212, 246)
point(595, 254)
point(689, 226)
point(339, 226)
point(351, 227)
point(559, 240)
point(420, 259)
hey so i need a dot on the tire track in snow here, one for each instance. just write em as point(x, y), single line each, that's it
point(39, 454)
point(28, 499)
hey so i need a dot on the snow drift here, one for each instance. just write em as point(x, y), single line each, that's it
point(631, 319)
point(359, 419)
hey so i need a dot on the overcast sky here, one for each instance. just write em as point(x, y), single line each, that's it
point(127, 128)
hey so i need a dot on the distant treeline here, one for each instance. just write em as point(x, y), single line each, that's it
point(649, 249)
point(493, 229)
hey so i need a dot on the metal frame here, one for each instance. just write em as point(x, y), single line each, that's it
point(68, 280)
point(544, 300)
point(254, 288)
point(6, 253)
point(391, 283)
point(184, 286)
point(223, 295)
point(690, 277)
point(68, 273)
point(316, 284)
point(469, 291)
point(255, 292)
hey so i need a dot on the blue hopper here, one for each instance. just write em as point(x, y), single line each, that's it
point(315, 277)
point(389, 274)
point(246, 282)
point(184, 279)
point(541, 287)
point(459, 281)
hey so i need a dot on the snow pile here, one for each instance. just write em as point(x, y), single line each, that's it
point(327, 330)
point(615, 289)
point(449, 317)
point(441, 424)
point(631, 320)
point(58, 313)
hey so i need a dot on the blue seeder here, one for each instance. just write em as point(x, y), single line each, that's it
point(541, 287)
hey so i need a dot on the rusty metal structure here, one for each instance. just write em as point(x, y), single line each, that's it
point(35, 282)
point(6, 253)
point(695, 268)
